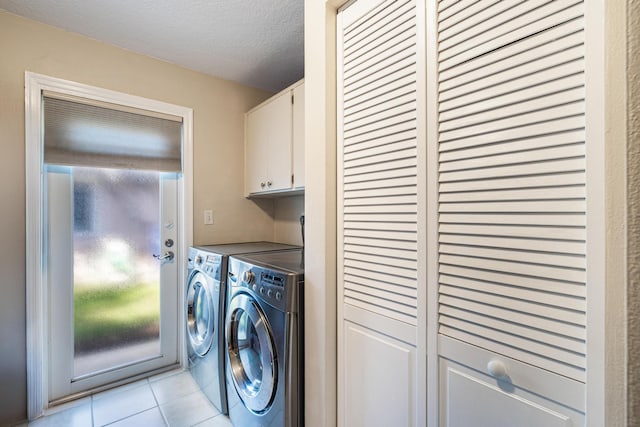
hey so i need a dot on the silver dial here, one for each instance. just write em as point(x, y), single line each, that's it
point(248, 277)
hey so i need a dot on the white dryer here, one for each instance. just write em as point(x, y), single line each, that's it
point(205, 305)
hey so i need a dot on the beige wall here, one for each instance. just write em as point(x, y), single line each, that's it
point(633, 211)
point(613, 344)
point(218, 158)
point(287, 211)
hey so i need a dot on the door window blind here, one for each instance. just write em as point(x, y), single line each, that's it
point(82, 132)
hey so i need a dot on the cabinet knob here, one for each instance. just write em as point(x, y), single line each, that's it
point(269, 183)
point(497, 369)
point(262, 184)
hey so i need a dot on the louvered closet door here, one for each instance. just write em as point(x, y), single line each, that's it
point(379, 197)
point(511, 143)
point(377, 212)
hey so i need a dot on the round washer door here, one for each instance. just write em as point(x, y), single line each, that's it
point(201, 314)
point(251, 353)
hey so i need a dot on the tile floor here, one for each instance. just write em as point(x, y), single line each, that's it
point(171, 399)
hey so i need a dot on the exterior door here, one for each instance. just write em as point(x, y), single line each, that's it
point(112, 275)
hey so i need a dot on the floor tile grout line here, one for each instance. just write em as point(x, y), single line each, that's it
point(164, 419)
point(206, 419)
point(146, 380)
point(149, 383)
point(122, 419)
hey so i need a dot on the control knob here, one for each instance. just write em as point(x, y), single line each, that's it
point(248, 277)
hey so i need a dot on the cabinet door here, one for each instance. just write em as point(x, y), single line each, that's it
point(268, 146)
point(255, 168)
point(298, 136)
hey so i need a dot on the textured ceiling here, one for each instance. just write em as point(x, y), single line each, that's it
point(258, 43)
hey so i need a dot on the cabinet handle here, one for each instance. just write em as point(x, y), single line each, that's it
point(497, 369)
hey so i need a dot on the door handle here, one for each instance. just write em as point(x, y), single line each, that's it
point(167, 255)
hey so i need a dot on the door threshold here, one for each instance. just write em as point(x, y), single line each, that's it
point(55, 404)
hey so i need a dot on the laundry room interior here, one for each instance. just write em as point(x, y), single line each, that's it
point(313, 213)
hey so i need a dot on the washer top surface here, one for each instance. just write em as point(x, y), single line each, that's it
point(245, 248)
point(291, 261)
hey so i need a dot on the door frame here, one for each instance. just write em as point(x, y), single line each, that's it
point(36, 292)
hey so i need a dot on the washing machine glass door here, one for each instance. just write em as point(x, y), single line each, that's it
point(251, 353)
point(201, 314)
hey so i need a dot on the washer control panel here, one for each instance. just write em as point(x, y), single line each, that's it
point(211, 265)
point(208, 263)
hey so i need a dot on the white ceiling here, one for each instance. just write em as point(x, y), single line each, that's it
point(258, 43)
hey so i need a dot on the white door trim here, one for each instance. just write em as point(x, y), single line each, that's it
point(37, 396)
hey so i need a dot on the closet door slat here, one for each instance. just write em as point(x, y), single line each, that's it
point(522, 27)
point(561, 260)
point(516, 146)
point(481, 9)
point(511, 174)
point(487, 23)
point(554, 193)
point(458, 318)
point(537, 181)
point(559, 300)
point(555, 236)
point(475, 118)
point(523, 157)
point(383, 22)
point(572, 220)
point(378, 170)
point(376, 150)
point(489, 236)
point(537, 53)
point(386, 183)
point(513, 50)
point(381, 242)
point(382, 279)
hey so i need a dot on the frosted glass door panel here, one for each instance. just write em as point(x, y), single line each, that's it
point(116, 280)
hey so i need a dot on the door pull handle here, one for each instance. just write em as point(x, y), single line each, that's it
point(167, 256)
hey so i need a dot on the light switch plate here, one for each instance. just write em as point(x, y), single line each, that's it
point(208, 217)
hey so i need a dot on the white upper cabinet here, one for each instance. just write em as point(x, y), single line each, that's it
point(271, 137)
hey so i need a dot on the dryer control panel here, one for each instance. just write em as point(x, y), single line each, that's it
point(271, 287)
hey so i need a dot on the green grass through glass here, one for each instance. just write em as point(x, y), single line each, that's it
point(111, 316)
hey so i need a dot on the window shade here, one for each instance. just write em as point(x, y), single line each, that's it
point(79, 132)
